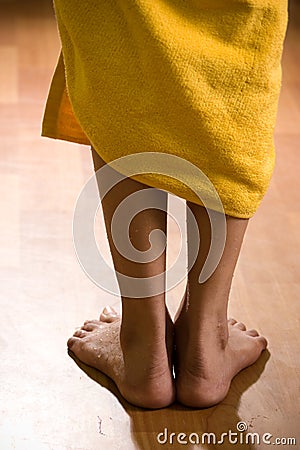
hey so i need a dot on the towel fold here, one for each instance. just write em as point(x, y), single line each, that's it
point(199, 80)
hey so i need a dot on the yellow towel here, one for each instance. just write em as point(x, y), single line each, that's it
point(198, 79)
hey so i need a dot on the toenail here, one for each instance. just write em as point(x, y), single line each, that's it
point(87, 321)
point(241, 326)
point(78, 333)
point(70, 343)
point(109, 310)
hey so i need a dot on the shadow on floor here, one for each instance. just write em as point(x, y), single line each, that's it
point(147, 424)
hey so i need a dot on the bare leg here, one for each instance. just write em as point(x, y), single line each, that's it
point(210, 349)
point(137, 351)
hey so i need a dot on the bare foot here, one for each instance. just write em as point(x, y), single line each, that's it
point(208, 358)
point(142, 371)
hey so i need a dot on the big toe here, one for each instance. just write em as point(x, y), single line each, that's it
point(262, 341)
point(73, 342)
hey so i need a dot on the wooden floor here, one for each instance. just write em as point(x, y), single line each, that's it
point(47, 401)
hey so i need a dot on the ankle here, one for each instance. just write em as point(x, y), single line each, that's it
point(143, 321)
point(209, 329)
point(141, 335)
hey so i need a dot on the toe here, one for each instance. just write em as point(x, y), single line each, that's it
point(95, 321)
point(73, 341)
point(232, 321)
point(80, 333)
point(90, 326)
point(240, 325)
point(262, 342)
point(252, 332)
point(109, 314)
